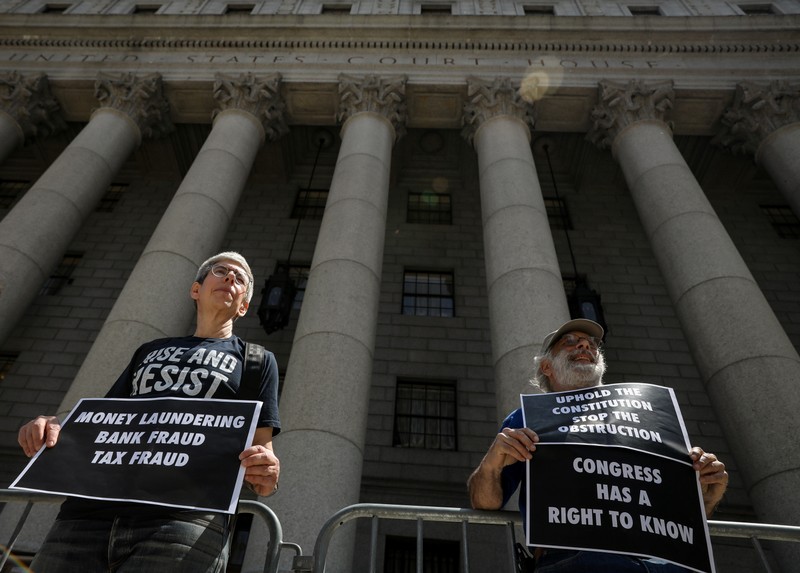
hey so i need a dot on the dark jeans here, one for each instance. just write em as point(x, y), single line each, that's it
point(196, 543)
point(563, 561)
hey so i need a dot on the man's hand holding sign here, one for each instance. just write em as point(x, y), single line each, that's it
point(618, 458)
point(262, 467)
point(611, 483)
point(151, 451)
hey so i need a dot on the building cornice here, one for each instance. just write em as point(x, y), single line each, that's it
point(645, 35)
point(559, 60)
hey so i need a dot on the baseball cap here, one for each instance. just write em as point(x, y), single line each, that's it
point(590, 327)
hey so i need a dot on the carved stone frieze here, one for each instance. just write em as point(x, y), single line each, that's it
point(757, 111)
point(491, 98)
point(622, 104)
point(140, 98)
point(605, 46)
point(382, 95)
point(28, 100)
point(260, 97)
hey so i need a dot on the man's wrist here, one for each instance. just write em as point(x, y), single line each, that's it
point(252, 488)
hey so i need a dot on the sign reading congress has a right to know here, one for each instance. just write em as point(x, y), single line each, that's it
point(612, 473)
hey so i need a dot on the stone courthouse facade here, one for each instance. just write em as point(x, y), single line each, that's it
point(441, 178)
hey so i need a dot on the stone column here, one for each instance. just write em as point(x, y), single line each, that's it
point(35, 234)
point(764, 120)
point(750, 368)
point(526, 292)
point(191, 229)
point(325, 398)
point(27, 110)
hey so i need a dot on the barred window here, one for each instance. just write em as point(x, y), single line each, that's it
point(557, 213)
point(111, 198)
point(310, 204)
point(7, 360)
point(428, 294)
point(11, 191)
point(427, 207)
point(425, 415)
point(783, 220)
point(299, 275)
point(62, 276)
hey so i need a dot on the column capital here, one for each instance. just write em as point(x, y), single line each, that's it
point(141, 98)
point(757, 111)
point(385, 96)
point(27, 99)
point(259, 97)
point(491, 98)
point(623, 104)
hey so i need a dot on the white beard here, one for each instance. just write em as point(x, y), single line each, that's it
point(572, 375)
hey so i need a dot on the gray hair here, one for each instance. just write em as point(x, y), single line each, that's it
point(205, 268)
point(539, 380)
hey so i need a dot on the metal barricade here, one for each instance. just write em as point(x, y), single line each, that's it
point(418, 513)
point(258, 509)
point(316, 563)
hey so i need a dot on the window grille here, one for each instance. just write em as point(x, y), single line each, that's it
point(111, 198)
point(310, 204)
point(783, 220)
point(10, 191)
point(62, 276)
point(425, 415)
point(428, 294)
point(7, 360)
point(299, 275)
point(431, 208)
point(557, 213)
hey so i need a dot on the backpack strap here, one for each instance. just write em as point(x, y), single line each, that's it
point(254, 360)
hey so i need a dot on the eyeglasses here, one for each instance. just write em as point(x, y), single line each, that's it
point(574, 340)
point(223, 270)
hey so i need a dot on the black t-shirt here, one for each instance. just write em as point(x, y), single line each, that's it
point(185, 367)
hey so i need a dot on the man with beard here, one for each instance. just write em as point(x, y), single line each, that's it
point(571, 359)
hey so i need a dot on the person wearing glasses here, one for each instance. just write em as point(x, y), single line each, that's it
point(94, 535)
point(571, 359)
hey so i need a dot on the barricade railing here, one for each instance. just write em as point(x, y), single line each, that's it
point(271, 559)
point(315, 563)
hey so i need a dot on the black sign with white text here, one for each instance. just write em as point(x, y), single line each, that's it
point(612, 473)
point(164, 451)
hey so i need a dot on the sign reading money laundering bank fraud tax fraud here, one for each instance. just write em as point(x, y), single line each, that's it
point(164, 451)
point(612, 473)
